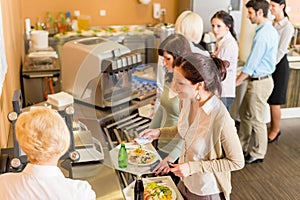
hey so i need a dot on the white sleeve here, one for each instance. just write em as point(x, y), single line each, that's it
point(284, 41)
point(160, 81)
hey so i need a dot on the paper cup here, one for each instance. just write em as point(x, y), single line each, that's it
point(39, 39)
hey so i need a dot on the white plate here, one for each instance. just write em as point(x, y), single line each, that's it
point(174, 196)
point(142, 164)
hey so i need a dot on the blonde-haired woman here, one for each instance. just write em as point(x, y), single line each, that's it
point(43, 135)
point(190, 24)
point(183, 25)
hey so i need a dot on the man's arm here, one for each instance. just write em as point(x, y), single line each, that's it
point(241, 78)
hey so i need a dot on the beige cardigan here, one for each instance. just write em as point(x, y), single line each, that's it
point(227, 154)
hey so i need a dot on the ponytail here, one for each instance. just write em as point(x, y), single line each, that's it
point(222, 66)
point(284, 12)
point(232, 31)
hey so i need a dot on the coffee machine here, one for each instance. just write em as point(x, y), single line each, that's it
point(98, 71)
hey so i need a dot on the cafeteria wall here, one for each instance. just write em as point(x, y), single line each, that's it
point(12, 23)
point(293, 10)
point(118, 12)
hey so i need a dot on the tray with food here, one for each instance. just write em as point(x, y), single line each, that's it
point(155, 188)
point(141, 158)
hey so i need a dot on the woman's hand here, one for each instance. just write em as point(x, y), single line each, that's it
point(163, 167)
point(150, 133)
point(181, 170)
point(147, 136)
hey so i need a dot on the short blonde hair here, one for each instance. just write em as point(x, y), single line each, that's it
point(190, 24)
point(42, 134)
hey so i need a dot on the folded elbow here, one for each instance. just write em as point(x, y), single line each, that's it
point(239, 164)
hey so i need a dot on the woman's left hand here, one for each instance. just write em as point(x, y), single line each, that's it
point(181, 170)
point(162, 167)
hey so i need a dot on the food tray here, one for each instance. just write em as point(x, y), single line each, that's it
point(167, 180)
point(134, 168)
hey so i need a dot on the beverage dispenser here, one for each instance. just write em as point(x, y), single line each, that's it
point(98, 71)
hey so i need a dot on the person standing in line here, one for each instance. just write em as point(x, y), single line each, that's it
point(44, 136)
point(227, 49)
point(210, 145)
point(281, 73)
point(190, 25)
point(168, 111)
point(258, 70)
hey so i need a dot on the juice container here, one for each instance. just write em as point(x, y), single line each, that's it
point(83, 22)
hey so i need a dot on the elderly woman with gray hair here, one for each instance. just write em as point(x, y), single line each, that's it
point(44, 136)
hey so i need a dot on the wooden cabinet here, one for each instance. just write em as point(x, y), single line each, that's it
point(293, 91)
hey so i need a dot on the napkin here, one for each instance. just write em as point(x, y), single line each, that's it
point(42, 54)
point(143, 140)
point(60, 99)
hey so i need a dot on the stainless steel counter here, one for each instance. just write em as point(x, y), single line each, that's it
point(102, 176)
point(103, 179)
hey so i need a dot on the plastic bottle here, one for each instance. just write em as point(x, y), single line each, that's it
point(40, 25)
point(47, 19)
point(68, 22)
point(139, 189)
point(27, 28)
point(75, 20)
point(61, 23)
point(51, 27)
point(27, 39)
point(123, 156)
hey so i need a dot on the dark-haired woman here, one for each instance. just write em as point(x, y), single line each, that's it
point(190, 25)
point(168, 111)
point(210, 145)
point(227, 49)
point(281, 74)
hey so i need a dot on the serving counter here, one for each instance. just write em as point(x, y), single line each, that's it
point(101, 176)
point(105, 180)
point(293, 91)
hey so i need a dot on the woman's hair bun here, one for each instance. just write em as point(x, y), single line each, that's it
point(222, 66)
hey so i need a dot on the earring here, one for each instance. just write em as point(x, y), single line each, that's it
point(198, 97)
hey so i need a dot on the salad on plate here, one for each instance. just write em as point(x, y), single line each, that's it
point(141, 156)
point(156, 191)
